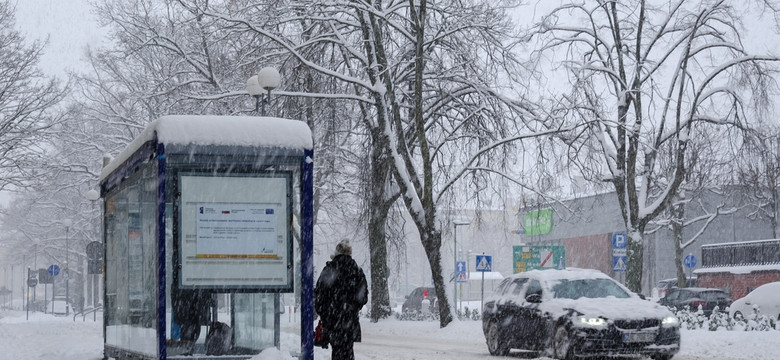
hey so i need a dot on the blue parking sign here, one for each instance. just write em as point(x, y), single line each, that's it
point(619, 240)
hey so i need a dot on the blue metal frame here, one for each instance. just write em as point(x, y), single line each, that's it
point(162, 349)
point(307, 255)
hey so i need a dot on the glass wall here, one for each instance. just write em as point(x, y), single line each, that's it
point(131, 257)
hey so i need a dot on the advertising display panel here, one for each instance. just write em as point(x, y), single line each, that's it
point(538, 222)
point(235, 231)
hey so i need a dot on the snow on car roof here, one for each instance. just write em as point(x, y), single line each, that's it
point(773, 287)
point(219, 130)
point(631, 307)
point(568, 273)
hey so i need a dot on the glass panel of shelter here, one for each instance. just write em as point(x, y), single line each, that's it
point(130, 289)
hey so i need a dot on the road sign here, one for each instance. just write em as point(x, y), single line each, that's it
point(619, 240)
point(690, 261)
point(619, 263)
point(538, 257)
point(54, 270)
point(94, 267)
point(44, 277)
point(94, 250)
point(460, 272)
point(484, 263)
point(31, 282)
point(619, 251)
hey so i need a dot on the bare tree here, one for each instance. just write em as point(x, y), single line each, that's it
point(27, 101)
point(646, 75)
point(758, 168)
point(435, 86)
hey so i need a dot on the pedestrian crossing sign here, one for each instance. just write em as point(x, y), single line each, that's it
point(484, 263)
point(618, 263)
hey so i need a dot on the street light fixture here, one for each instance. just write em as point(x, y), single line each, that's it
point(92, 195)
point(266, 80)
point(456, 223)
point(67, 223)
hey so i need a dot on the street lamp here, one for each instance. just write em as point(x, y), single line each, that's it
point(456, 223)
point(67, 223)
point(92, 195)
point(266, 80)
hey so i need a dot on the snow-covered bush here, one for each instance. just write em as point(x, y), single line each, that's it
point(758, 321)
point(721, 320)
point(692, 320)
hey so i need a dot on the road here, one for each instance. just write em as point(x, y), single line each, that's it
point(425, 341)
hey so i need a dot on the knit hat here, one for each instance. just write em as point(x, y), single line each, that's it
point(343, 247)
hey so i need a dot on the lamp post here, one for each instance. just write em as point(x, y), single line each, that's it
point(266, 80)
point(93, 195)
point(456, 223)
point(67, 223)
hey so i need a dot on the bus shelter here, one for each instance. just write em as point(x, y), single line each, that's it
point(208, 240)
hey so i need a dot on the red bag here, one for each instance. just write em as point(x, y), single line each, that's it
point(320, 337)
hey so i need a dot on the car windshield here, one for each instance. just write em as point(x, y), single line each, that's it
point(589, 288)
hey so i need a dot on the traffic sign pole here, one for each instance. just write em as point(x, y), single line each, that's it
point(484, 264)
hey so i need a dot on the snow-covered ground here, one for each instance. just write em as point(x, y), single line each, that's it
point(47, 337)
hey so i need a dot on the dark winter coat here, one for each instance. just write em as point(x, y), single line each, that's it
point(340, 293)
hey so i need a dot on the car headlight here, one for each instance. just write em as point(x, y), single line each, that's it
point(593, 321)
point(669, 320)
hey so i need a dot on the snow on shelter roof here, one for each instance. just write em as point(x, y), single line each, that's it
point(218, 130)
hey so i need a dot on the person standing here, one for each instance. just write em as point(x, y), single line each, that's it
point(340, 293)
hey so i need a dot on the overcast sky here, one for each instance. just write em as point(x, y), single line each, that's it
point(70, 26)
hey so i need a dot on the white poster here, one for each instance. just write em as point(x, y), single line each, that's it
point(237, 230)
point(234, 232)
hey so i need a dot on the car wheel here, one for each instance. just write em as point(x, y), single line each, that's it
point(738, 315)
point(496, 344)
point(662, 357)
point(562, 348)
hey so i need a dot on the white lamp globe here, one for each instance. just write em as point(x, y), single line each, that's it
point(253, 87)
point(268, 78)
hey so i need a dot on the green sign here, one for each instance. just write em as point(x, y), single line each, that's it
point(538, 222)
point(538, 257)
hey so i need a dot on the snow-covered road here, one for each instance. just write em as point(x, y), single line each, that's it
point(45, 337)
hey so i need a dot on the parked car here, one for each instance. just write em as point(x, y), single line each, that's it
point(693, 298)
point(576, 312)
point(765, 297)
point(418, 296)
point(668, 284)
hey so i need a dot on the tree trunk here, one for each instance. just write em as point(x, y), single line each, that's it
point(678, 213)
point(378, 209)
point(432, 244)
point(634, 262)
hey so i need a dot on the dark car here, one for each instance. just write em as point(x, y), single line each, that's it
point(571, 313)
point(693, 298)
point(668, 284)
point(414, 301)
